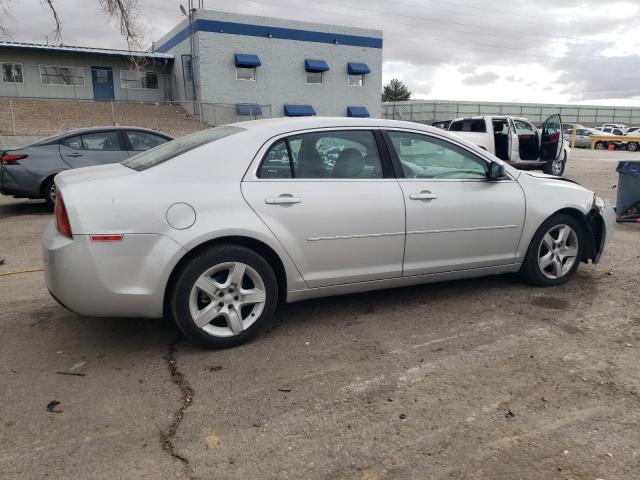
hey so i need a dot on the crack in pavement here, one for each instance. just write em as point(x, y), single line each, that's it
point(177, 378)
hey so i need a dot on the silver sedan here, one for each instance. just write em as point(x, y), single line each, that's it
point(217, 228)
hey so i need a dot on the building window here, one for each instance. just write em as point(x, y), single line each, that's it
point(246, 73)
point(314, 77)
point(356, 80)
point(65, 76)
point(136, 79)
point(12, 73)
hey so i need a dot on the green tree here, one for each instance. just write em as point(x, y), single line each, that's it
point(395, 91)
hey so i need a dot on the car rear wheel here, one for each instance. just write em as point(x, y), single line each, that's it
point(555, 251)
point(223, 296)
point(49, 192)
point(632, 146)
point(601, 146)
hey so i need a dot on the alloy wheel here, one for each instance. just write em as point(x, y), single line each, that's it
point(52, 192)
point(556, 168)
point(227, 299)
point(632, 147)
point(558, 251)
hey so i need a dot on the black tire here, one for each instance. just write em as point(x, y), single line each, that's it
point(549, 166)
point(531, 271)
point(632, 146)
point(49, 192)
point(191, 271)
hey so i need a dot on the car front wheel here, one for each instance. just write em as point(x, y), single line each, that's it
point(555, 251)
point(223, 296)
point(632, 146)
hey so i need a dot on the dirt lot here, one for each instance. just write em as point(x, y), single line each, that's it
point(480, 379)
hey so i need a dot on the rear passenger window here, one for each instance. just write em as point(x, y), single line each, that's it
point(335, 154)
point(469, 125)
point(73, 142)
point(276, 162)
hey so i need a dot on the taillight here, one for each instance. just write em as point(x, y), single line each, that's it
point(7, 158)
point(62, 219)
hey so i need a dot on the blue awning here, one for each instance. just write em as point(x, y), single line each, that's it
point(358, 68)
point(360, 112)
point(299, 111)
point(252, 109)
point(245, 60)
point(315, 65)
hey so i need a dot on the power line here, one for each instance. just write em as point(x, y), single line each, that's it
point(496, 49)
point(491, 10)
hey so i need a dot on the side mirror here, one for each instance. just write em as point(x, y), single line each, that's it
point(496, 171)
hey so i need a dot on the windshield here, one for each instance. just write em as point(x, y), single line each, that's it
point(169, 150)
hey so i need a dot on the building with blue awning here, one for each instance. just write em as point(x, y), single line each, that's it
point(263, 67)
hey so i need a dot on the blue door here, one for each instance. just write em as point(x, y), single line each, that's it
point(102, 83)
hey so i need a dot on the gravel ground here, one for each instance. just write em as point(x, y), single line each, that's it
point(477, 379)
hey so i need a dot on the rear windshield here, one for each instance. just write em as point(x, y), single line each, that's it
point(469, 125)
point(169, 150)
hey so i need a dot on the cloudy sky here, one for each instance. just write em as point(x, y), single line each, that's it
point(586, 51)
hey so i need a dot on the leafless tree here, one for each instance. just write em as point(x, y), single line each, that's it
point(124, 11)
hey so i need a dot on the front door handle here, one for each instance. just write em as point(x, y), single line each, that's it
point(74, 155)
point(284, 199)
point(424, 195)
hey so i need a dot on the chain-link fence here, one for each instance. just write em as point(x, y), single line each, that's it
point(430, 111)
point(44, 117)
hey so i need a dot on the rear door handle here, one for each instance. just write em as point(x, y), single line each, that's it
point(74, 155)
point(424, 195)
point(284, 199)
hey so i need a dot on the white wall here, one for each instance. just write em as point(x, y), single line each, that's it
point(282, 78)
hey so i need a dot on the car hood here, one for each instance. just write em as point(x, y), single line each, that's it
point(550, 177)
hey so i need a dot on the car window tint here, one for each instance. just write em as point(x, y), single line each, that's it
point(336, 154)
point(105, 141)
point(73, 142)
point(169, 150)
point(276, 162)
point(422, 156)
point(523, 128)
point(141, 141)
point(469, 125)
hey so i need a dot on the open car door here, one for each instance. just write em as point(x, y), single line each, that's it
point(552, 138)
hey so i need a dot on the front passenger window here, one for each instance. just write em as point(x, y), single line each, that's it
point(422, 156)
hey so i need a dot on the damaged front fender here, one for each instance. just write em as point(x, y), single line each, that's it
point(601, 221)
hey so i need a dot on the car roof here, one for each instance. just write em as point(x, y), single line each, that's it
point(80, 131)
point(276, 126)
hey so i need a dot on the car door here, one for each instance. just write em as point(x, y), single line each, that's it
point(515, 142)
point(457, 219)
point(582, 138)
point(93, 148)
point(552, 140)
point(331, 200)
point(139, 140)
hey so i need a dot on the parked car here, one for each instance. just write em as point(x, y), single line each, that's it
point(214, 231)
point(442, 124)
point(619, 126)
point(583, 137)
point(28, 172)
point(611, 130)
point(517, 141)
